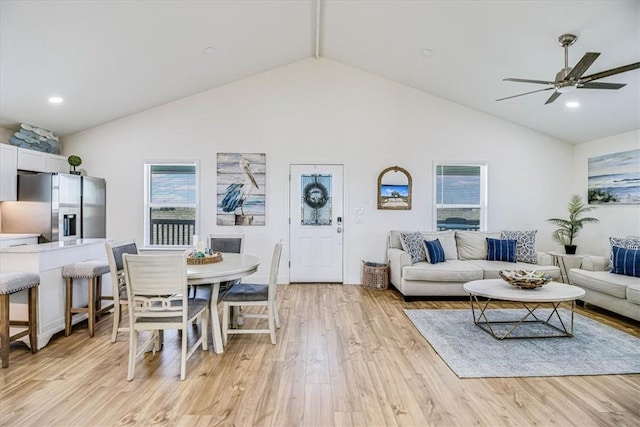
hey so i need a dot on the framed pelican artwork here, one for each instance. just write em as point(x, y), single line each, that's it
point(241, 188)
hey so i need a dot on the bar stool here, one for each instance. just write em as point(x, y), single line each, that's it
point(92, 271)
point(10, 283)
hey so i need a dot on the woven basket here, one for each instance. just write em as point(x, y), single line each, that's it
point(374, 275)
point(207, 259)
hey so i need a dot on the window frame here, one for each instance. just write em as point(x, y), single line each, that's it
point(484, 184)
point(148, 164)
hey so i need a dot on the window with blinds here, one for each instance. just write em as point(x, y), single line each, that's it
point(171, 203)
point(460, 196)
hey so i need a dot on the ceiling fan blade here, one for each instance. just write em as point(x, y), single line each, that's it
point(526, 93)
point(582, 65)
point(611, 72)
point(553, 97)
point(597, 85)
point(543, 82)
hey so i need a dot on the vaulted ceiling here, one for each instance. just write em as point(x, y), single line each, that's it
point(110, 59)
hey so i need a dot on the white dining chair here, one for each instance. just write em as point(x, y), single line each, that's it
point(158, 300)
point(247, 294)
point(115, 251)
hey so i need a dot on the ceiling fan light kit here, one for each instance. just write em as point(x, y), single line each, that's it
point(569, 79)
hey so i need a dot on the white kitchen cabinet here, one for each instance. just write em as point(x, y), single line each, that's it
point(8, 172)
point(31, 160)
point(57, 163)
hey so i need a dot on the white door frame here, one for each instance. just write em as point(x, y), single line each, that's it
point(345, 208)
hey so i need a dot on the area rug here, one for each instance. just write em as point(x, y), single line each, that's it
point(470, 352)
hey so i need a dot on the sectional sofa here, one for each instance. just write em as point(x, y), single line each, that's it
point(465, 260)
point(619, 293)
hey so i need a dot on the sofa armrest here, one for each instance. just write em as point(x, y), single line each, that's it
point(397, 259)
point(544, 258)
point(595, 263)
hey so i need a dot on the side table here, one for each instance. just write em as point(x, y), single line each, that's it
point(566, 262)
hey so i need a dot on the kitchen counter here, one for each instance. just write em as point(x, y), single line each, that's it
point(47, 260)
point(52, 246)
point(9, 240)
point(11, 236)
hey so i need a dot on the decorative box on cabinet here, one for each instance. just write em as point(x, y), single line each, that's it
point(8, 171)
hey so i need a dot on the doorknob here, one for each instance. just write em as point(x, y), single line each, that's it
point(339, 229)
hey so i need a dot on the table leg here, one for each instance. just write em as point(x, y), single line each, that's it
point(564, 275)
point(215, 319)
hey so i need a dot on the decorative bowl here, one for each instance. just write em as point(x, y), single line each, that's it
point(525, 279)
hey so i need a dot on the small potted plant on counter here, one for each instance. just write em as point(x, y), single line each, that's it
point(74, 161)
point(569, 228)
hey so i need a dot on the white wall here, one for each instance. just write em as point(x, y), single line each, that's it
point(615, 220)
point(322, 111)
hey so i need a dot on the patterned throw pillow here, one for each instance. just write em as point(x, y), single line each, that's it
point(525, 245)
point(435, 251)
point(626, 261)
point(625, 243)
point(501, 250)
point(413, 243)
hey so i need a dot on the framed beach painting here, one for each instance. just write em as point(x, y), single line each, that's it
point(614, 178)
point(241, 188)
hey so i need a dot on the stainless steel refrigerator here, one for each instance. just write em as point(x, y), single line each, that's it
point(57, 206)
point(93, 208)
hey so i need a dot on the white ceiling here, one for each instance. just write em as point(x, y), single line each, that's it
point(110, 59)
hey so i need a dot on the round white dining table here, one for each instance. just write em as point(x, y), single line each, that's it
point(233, 266)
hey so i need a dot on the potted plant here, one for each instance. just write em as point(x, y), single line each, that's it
point(74, 161)
point(569, 228)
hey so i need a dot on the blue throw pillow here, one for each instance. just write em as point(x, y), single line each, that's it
point(626, 261)
point(435, 251)
point(501, 250)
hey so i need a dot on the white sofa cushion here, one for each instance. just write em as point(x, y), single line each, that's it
point(602, 281)
point(448, 271)
point(447, 240)
point(492, 268)
point(473, 244)
point(633, 294)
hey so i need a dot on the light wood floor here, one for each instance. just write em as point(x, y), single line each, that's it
point(346, 356)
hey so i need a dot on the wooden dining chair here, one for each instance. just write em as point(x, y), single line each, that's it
point(247, 294)
point(158, 300)
point(115, 251)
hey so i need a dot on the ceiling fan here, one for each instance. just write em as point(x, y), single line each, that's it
point(569, 78)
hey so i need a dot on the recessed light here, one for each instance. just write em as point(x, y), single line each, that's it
point(209, 50)
point(572, 104)
point(56, 100)
point(427, 52)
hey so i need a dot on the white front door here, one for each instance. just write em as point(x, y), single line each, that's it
point(316, 224)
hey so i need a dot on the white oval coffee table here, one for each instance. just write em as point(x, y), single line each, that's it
point(551, 294)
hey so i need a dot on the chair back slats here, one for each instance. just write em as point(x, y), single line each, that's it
point(157, 284)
